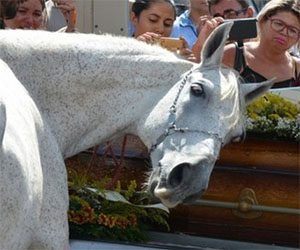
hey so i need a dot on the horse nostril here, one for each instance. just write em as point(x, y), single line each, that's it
point(177, 174)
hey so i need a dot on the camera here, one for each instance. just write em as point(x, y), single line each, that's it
point(169, 43)
point(243, 28)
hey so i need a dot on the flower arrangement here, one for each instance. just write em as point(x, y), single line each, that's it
point(274, 116)
point(97, 213)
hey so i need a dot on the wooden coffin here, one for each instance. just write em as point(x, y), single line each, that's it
point(257, 171)
point(261, 172)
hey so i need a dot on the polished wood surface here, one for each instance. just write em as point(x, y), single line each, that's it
point(263, 154)
point(271, 170)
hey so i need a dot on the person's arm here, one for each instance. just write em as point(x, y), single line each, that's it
point(68, 8)
point(229, 55)
point(185, 52)
point(207, 27)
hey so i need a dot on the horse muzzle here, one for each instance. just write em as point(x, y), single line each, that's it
point(183, 183)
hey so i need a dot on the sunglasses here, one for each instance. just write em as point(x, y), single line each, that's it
point(279, 25)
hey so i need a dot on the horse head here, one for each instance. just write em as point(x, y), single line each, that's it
point(198, 116)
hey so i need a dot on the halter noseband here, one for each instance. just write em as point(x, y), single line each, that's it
point(172, 128)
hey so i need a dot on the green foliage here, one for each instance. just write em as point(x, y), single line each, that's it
point(274, 116)
point(130, 191)
point(92, 216)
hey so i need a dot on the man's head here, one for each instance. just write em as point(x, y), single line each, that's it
point(200, 6)
point(230, 9)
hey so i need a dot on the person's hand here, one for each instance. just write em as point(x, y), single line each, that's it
point(201, 22)
point(68, 9)
point(149, 37)
point(208, 25)
point(188, 55)
point(186, 52)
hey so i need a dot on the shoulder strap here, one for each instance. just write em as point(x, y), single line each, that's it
point(1, 24)
point(295, 65)
point(297, 75)
point(239, 60)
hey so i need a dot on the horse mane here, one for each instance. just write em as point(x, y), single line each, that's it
point(233, 92)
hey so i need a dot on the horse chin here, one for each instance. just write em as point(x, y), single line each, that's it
point(170, 204)
point(166, 201)
point(187, 201)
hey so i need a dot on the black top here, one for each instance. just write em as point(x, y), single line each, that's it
point(250, 76)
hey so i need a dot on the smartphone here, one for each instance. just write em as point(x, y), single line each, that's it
point(169, 43)
point(243, 28)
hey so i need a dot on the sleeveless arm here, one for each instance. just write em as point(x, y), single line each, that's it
point(229, 55)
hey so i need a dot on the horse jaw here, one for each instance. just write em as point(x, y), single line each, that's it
point(181, 174)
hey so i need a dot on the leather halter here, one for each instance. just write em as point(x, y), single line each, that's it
point(172, 128)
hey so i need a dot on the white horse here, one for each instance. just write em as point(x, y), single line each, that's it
point(86, 89)
point(33, 195)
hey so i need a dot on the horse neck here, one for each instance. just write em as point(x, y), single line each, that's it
point(107, 108)
point(88, 93)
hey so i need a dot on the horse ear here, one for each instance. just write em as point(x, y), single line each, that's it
point(213, 47)
point(251, 91)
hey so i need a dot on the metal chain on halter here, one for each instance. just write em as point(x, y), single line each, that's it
point(172, 115)
point(172, 119)
point(172, 110)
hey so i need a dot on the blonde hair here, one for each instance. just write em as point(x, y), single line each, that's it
point(275, 6)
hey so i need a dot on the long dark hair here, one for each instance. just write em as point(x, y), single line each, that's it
point(140, 5)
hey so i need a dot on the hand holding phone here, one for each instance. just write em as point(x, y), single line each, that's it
point(169, 43)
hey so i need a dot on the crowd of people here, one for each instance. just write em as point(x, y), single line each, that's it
point(278, 33)
point(276, 45)
point(52, 15)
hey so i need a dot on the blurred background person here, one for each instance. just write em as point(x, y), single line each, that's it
point(153, 19)
point(131, 26)
point(219, 11)
point(30, 14)
point(189, 23)
point(230, 9)
point(60, 15)
point(268, 56)
point(21, 14)
point(257, 5)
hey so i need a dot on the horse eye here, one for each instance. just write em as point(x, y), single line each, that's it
point(197, 89)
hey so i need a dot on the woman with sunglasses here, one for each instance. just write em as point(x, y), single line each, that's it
point(268, 56)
